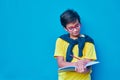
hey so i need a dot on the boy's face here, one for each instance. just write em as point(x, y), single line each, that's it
point(73, 29)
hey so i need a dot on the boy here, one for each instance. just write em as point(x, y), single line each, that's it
point(74, 45)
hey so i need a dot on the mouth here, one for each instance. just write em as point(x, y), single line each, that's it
point(76, 32)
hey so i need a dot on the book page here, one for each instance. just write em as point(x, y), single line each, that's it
point(91, 63)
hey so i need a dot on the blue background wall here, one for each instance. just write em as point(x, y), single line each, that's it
point(29, 28)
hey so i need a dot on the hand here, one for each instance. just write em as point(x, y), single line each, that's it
point(80, 66)
point(86, 70)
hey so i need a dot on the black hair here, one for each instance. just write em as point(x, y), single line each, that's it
point(69, 16)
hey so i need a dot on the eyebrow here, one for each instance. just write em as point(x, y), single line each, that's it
point(75, 25)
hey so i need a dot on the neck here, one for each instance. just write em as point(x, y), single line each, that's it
point(74, 37)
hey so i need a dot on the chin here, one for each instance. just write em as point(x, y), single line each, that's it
point(76, 35)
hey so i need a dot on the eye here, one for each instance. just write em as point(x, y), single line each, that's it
point(70, 28)
point(77, 26)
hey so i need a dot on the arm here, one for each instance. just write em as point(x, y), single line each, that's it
point(79, 64)
point(62, 62)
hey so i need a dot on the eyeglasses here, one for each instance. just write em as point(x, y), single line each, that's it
point(73, 27)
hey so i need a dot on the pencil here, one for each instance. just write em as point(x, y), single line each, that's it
point(75, 57)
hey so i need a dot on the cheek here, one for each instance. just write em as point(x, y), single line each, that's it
point(70, 32)
point(79, 29)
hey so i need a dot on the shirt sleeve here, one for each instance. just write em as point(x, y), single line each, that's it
point(89, 51)
point(59, 50)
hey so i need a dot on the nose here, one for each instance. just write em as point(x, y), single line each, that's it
point(74, 29)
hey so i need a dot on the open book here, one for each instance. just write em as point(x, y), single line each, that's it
point(73, 68)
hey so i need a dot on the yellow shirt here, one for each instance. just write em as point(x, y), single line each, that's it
point(88, 53)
